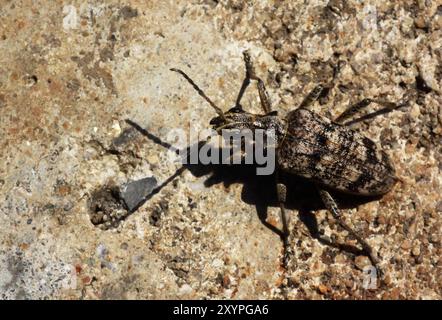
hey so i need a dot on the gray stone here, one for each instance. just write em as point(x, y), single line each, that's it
point(134, 192)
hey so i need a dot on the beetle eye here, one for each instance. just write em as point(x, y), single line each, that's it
point(236, 109)
point(217, 121)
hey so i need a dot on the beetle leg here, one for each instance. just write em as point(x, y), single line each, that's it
point(331, 206)
point(264, 96)
point(250, 75)
point(352, 110)
point(246, 81)
point(312, 97)
point(281, 191)
point(321, 88)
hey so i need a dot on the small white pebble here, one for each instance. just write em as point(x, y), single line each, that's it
point(217, 263)
point(185, 289)
point(116, 129)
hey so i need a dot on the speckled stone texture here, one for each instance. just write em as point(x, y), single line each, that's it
point(71, 72)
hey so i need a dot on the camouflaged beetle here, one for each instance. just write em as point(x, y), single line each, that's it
point(329, 153)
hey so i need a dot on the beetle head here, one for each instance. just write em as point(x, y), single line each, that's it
point(235, 118)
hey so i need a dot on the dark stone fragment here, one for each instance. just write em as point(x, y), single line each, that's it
point(135, 192)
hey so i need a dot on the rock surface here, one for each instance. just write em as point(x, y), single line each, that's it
point(72, 72)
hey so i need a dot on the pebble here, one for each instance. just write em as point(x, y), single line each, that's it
point(217, 263)
point(387, 280)
point(361, 262)
point(323, 289)
point(394, 294)
point(185, 289)
point(416, 250)
point(434, 238)
point(406, 245)
point(134, 192)
point(415, 111)
point(348, 283)
point(340, 258)
point(115, 129)
point(381, 219)
point(152, 159)
point(419, 22)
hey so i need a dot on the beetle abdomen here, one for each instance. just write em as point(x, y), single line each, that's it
point(334, 155)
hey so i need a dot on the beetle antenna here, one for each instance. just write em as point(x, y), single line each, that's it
point(201, 93)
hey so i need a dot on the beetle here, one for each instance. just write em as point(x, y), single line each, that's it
point(327, 152)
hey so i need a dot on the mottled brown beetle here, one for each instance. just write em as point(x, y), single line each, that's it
point(328, 153)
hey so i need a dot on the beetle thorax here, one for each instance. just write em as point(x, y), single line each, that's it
point(238, 119)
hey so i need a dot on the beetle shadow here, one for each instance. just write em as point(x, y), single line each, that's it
point(260, 191)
